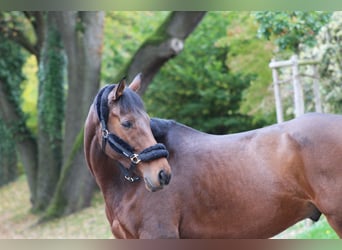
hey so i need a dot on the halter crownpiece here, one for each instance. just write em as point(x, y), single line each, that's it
point(119, 145)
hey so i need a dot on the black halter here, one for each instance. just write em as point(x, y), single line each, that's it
point(119, 145)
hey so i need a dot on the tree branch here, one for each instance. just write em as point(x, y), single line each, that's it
point(166, 43)
point(37, 20)
point(18, 36)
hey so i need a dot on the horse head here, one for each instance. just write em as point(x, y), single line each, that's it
point(125, 135)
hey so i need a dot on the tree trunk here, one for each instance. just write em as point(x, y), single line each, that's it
point(8, 156)
point(24, 141)
point(82, 37)
point(10, 112)
point(50, 115)
point(82, 34)
point(164, 44)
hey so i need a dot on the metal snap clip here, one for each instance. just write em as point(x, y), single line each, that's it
point(135, 159)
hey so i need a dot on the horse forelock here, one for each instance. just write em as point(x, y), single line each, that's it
point(130, 102)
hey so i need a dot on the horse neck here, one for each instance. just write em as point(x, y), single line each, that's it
point(113, 187)
point(166, 131)
point(172, 133)
point(105, 169)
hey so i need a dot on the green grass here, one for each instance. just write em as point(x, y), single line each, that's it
point(307, 230)
point(17, 222)
point(320, 230)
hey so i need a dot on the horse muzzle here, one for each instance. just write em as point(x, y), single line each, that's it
point(164, 178)
point(154, 184)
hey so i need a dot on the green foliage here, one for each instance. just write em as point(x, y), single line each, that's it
point(291, 28)
point(329, 51)
point(160, 34)
point(197, 87)
point(17, 27)
point(29, 94)
point(249, 55)
point(50, 115)
point(57, 206)
point(124, 32)
point(8, 156)
point(14, 22)
point(51, 89)
point(11, 61)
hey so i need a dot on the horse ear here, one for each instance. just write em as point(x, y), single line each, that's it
point(118, 90)
point(136, 83)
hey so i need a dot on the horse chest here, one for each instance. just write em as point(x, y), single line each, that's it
point(119, 230)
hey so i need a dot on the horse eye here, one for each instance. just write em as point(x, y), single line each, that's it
point(126, 124)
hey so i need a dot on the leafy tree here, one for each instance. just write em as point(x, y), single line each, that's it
point(198, 88)
point(132, 27)
point(292, 32)
point(164, 44)
point(60, 183)
point(17, 26)
point(8, 156)
point(82, 37)
point(29, 95)
point(43, 156)
point(50, 114)
point(291, 29)
point(11, 61)
point(249, 55)
point(329, 50)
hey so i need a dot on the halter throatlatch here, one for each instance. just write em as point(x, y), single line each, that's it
point(119, 145)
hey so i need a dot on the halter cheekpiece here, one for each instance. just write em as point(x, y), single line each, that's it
point(119, 145)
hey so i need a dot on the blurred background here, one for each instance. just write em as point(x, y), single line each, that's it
point(208, 70)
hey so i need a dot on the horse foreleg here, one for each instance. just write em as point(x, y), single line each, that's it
point(159, 235)
point(159, 231)
point(336, 223)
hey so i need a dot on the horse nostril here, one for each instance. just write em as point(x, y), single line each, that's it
point(164, 178)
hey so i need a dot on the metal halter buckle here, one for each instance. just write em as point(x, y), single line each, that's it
point(135, 159)
point(105, 133)
point(130, 179)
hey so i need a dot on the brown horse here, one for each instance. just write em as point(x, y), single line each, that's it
point(118, 128)
point(247, 185)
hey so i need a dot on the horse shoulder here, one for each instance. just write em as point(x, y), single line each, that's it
point(119, 231)
point(279, 152)
point(291, 162)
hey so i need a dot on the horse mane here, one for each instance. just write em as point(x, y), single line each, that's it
point(160, 127)
point(130, 101)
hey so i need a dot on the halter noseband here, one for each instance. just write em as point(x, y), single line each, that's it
point(119, 145)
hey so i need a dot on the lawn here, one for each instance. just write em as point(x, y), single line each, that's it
point(308, 230)
point(16, 221)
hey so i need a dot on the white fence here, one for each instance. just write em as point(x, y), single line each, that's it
point(298, 96)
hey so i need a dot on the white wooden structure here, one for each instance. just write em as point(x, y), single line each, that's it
point(298, 97)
